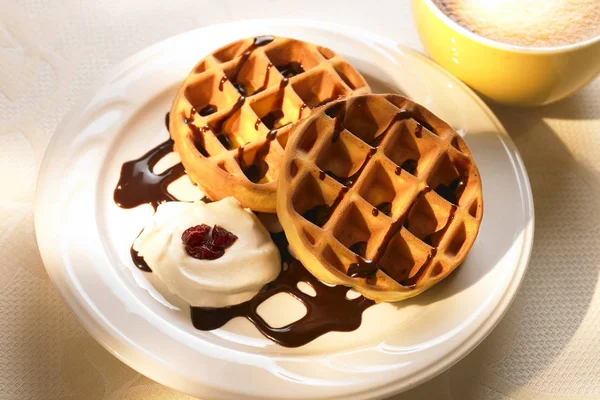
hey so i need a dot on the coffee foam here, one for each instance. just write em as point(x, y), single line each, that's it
point(529, 23)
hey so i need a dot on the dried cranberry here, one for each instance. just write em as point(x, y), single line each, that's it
point(196, 235)
point(222, 237)
point(201, 244)
point(205, 251)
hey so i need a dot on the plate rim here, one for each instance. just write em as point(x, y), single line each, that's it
point(94, 327)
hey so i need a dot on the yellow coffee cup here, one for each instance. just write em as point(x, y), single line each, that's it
point(507, 74)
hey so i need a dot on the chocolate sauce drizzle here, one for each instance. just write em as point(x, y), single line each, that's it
point(330, 310)
point(259, 167)
point(301, 108)
point(240, 88)
point(364, 268)
point(139, 260)
point(284, 82)
point(419, 131)
point(267, 75)
point(223, 137)
point(320, 214)
point(435, 238)
point(222, 82)
point(258, 42)
point(139, 185)
point(367, 268)
point(218, 127)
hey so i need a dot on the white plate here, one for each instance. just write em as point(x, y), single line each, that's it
point(84, 237)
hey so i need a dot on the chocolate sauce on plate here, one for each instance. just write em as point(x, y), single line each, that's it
point(138, 184)
point(330, 310)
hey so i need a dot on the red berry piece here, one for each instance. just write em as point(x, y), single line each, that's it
point(205, 252)
point(196, 235)
point(222, 237)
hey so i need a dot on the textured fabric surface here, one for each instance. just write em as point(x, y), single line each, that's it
point(546, 347)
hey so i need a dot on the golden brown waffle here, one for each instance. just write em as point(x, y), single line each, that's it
point(232, 116)
point(379, 194)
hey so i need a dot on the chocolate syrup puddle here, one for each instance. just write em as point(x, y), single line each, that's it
point(272, 118)
point(240, 88)
point(385, 208)
point(409, 166)
point(330, 310)
point(453, 190)
point(290, 69)
point(318, 215)
point(359, 248)
point(139, 185)
point(207, 110)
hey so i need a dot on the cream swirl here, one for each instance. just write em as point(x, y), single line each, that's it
point(250, 263)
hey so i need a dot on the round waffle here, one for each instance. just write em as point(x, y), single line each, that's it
point(231, 118)
point(379, 194)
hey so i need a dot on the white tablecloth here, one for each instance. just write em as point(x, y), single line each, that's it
point(546, 347)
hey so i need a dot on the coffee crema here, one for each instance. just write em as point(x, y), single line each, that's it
point(528, 23)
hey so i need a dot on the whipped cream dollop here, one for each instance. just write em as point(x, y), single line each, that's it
point(238, 275)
